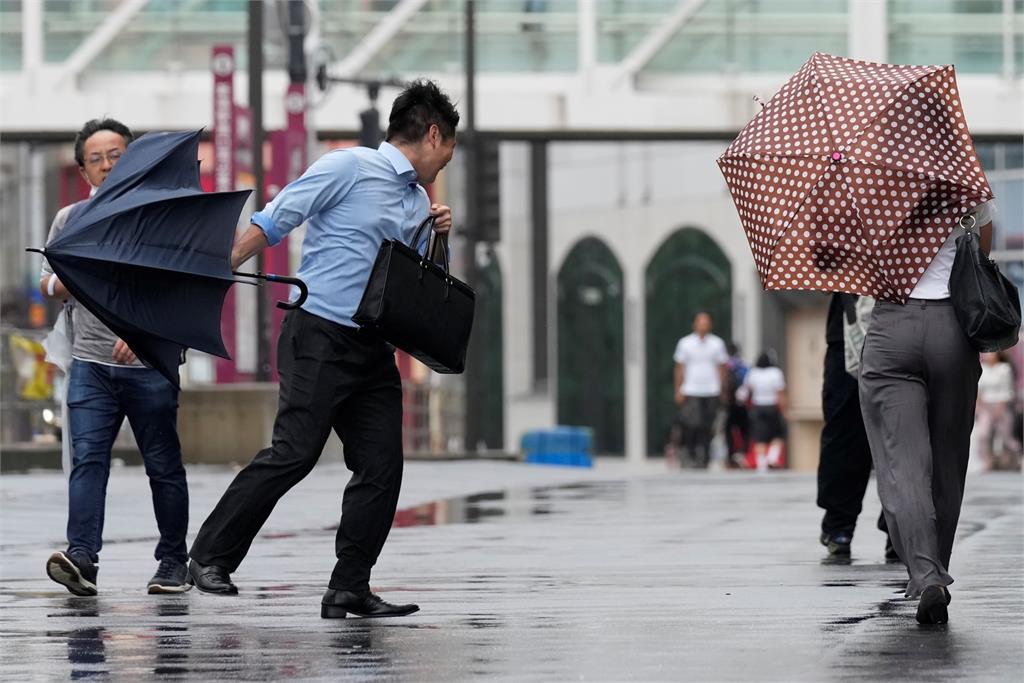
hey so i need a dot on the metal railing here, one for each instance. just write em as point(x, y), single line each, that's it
point(434, 418)
point(433, 423)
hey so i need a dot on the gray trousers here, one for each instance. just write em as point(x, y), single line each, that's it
point(918, 385)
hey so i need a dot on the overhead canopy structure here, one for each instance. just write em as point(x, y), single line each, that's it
point(572, 67)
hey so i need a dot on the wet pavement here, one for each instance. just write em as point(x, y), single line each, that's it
point(524, 573)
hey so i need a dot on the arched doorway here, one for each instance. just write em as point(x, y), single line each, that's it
point(689, 273)
point(591, 365)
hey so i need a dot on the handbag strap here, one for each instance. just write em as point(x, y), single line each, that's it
point(429, 220)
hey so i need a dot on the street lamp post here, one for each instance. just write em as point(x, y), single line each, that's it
point(255, 46)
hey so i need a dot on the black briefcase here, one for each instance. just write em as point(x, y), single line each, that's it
point(417, 305)
point(985, 302)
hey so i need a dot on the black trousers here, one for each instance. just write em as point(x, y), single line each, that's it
point(845, 464)
point(331, 377)
point(697, 418)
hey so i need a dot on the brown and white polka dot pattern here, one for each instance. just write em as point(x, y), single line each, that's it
point(853, 175)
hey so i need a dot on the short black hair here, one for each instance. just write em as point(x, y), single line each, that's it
point(416, 108)
point(767, 359)
point(94, 126)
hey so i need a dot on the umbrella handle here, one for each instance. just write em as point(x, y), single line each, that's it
point(284, 279)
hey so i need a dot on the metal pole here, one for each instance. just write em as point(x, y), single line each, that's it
point(296, 38)
point(256, 107)
point(539, 259)
point(471, 231)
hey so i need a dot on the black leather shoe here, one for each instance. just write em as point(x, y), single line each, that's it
point(932, 608)
point(837, 542)
point(211, 579)
point(339, 604)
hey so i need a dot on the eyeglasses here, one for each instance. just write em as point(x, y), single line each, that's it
point(96, 159)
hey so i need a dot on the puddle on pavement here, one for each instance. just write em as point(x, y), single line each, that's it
point(514, 503)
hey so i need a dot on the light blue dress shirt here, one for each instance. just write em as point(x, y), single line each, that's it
point(354, 199)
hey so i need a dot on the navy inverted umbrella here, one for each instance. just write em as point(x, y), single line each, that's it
point(150, 253)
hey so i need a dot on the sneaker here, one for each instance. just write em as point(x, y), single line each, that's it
point(837, 542)
point(171, 577)
point(73, 570)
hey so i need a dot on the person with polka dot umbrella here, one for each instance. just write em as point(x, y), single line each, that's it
point(853, 175)
point(853, 178)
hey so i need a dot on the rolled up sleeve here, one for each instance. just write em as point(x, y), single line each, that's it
point(984, 213)
point(56, 227)
point(324, 184)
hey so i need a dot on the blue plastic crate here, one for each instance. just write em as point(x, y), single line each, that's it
point(564, 446)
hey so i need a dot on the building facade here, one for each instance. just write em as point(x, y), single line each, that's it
point(615, 225)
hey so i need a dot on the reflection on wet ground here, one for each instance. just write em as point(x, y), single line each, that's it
point(695, 577)
point(480, 507)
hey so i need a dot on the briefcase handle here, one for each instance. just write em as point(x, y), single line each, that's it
point(429, 220)
point(431, 255)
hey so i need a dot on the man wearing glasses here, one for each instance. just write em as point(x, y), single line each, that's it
point(106, 384)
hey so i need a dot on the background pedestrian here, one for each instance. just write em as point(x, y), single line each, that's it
point(844, 464)
point(765, 387)
point(737, 422)
point(998, 446)
point(700, 376)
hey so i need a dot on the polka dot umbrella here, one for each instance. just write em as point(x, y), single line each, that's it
point(853, 175)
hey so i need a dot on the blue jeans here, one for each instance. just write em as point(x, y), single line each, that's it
point(99, 398)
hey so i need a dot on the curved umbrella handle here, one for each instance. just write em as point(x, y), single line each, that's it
point(284, 279)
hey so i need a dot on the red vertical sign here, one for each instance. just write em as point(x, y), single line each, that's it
point(288, 162)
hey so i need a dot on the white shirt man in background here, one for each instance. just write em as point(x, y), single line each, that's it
point(701, 364)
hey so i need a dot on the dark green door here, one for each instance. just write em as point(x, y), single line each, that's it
point(688, 274)
point(591, 370)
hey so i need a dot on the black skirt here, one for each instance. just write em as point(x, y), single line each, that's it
point(765, 424)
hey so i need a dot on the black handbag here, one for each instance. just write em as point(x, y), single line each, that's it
point(986, 303)
point(416, 304)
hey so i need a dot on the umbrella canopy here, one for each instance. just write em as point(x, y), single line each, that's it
point(853, 175)
point(150, 253)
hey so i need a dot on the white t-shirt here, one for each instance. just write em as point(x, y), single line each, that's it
point(701, 359)
point(934, 284)
point(763, 385)
point(996, 383)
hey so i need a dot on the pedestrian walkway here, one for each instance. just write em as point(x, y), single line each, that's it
point(524, 573)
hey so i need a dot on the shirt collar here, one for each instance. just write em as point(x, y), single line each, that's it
point(398, 161)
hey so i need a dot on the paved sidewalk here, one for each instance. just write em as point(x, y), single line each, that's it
point(550, 574)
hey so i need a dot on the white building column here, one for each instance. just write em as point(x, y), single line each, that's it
point(868, 30)
point(586, 11)
point(31, 39)
point(527, 406)
point(636, 357)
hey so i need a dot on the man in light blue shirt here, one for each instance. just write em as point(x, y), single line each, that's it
point(354, 199)
point(333, 375)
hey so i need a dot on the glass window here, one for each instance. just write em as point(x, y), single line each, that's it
point(966, 33)
point(525, 35)
point(754, 36)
